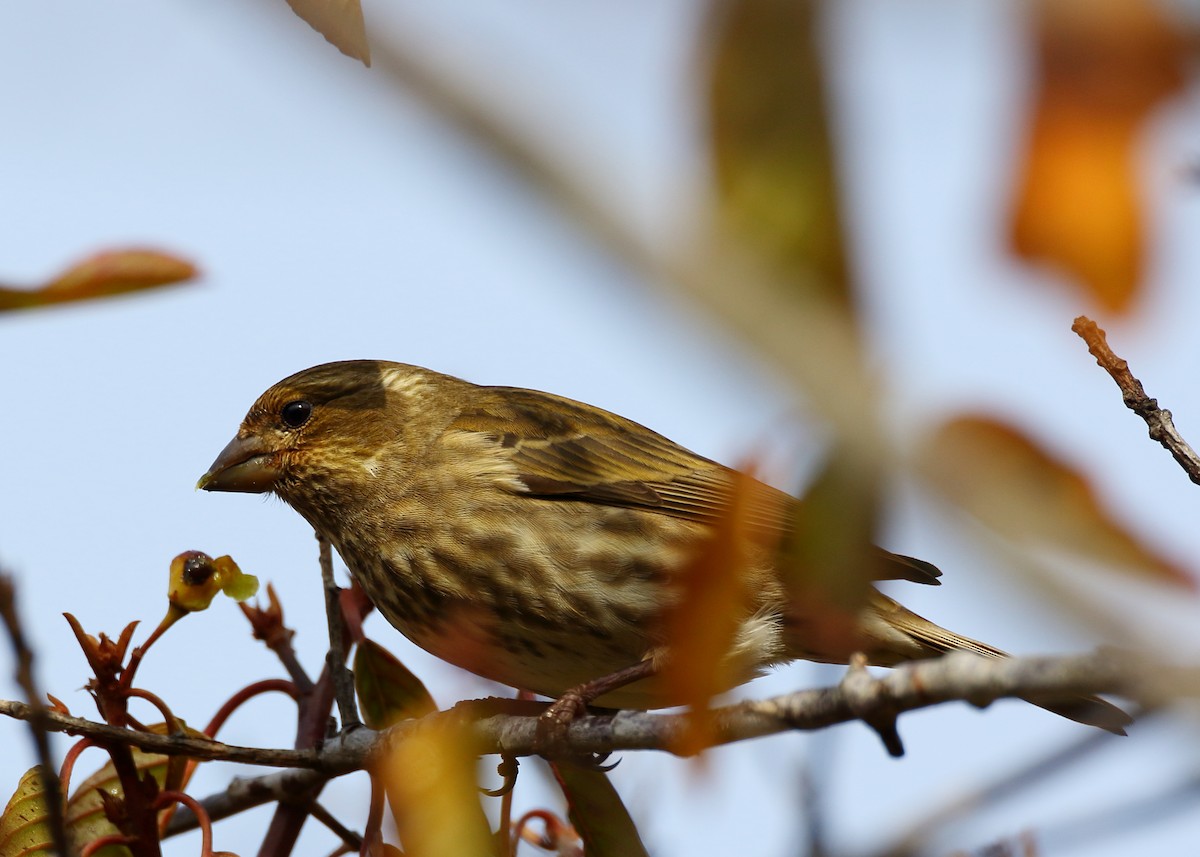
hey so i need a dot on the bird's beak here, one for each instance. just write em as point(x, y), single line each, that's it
point(244, 465)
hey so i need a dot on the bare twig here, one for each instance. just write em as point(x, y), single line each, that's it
point(245, 793)
point(348, 836)
point(1161, 425)
point(919, 836)
point(39, 715)
point(1102, 824)
point(269, 627)
point(343, 680)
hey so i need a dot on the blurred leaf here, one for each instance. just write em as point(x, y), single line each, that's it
point(597, 812)
point(1008, 482)
point(702, 625)
point(24, 830)
point(1103, 65)
point(829, 558)
point(387, 691)
point(103, 275)
point(774, 160)
point(340, 22)
point(430, 782)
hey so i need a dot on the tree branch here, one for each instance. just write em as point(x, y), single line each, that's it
point(1161, 425)
point(508, 726)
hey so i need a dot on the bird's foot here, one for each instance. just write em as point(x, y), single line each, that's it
point(550, 738)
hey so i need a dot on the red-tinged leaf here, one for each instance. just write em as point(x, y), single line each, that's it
point(103, 275)
point(24, 828)
point(387, 691)
point(340, 22)
point(1103, 66)
point(702, 625)
point(85, 817)
point(774, 160)
point(1025, 493)
point(597, 812)
point(430, 782)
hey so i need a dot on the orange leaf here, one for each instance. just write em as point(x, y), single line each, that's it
point(1024, 493)
point(103, 275)
point(702, 625)
point(1103, 66)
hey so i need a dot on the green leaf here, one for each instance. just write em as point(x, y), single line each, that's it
point(387, 691)
point(774, 159)
point(24, 831)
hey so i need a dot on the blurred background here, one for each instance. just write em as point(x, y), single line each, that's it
point(524, 193)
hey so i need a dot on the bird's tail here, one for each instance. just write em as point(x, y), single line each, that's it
point(932, 640)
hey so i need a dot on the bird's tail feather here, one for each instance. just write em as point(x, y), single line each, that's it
point(1088, 710)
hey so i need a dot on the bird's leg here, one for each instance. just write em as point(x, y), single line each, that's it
point(553, 724)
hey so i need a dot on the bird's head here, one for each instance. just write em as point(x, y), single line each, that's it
point(310, 427)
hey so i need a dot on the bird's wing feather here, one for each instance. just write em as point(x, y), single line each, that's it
point(563, 449)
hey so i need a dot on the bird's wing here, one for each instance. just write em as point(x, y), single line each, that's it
point(566, 450)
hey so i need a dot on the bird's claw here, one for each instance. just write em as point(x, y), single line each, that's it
point(550, 737)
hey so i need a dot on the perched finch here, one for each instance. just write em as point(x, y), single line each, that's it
point(540, 542)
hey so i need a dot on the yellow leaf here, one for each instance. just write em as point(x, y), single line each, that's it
point(1103, 65)
point(24, 829)
point(430, 782)
point(103, 275)
point(1003, 478)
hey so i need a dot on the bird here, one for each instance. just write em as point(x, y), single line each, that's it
point(541, 542)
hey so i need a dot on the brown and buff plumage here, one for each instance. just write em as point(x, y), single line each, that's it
point(535, 540)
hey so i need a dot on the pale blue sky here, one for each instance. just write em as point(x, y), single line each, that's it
point(335, 218)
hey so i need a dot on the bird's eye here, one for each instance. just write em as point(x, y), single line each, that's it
point(295, 414)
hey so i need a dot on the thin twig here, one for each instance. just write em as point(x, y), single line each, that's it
point(348, 836)
point(969, 801)
point(39, 724)
point(343, 680)
point(1161, 425)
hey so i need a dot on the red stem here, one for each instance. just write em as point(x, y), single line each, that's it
point(197, 808)
point(246, 694)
